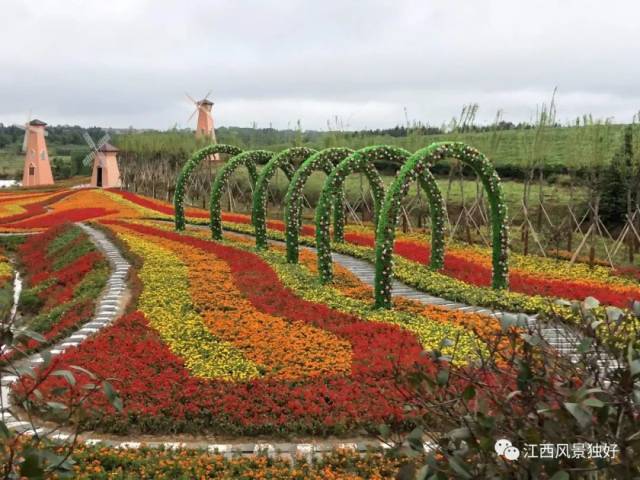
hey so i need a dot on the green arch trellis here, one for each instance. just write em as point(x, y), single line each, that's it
point(248, 159)
point(359, 161)
point(417, 164)
point(185, 173)
point(323, 160)
point(284, 161)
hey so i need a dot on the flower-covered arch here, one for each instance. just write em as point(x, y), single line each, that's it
point(185, 173)
point(324, 160)
point(286, 161)
point(359, 161)
point(249, 160)
point(417, 164)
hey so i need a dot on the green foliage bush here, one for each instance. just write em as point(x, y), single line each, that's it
point(61, 169)
point(619, 182)
point(532, 398)
point(30, 303)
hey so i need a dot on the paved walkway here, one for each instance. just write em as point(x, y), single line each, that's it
point(560, 337)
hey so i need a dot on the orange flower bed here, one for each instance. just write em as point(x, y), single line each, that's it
point(99, 198)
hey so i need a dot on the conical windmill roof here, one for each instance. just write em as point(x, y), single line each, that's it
point(37, 123)
point(107, 147)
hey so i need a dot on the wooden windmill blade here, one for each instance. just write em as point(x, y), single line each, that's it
point(103, 141)
point(89, 140)
point(191, 99)
point(89, 158)
point(195, 103)
point(86, 161)
point(27, 128)
point(192, 114)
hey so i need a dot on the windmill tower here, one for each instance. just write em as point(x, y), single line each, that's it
point(105, 173)
point(37, 169)
point(205, 127)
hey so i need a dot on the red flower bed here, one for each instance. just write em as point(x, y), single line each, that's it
point(67, 279)
point(197, 213)
point(160, 394)
point(156, 205)
point(70, 320)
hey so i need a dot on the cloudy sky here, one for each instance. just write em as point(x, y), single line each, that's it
point(129, 62)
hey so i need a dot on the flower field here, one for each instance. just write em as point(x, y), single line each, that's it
point(18, 208)
point(220, 338)
point(531, 275)
point(323, 381)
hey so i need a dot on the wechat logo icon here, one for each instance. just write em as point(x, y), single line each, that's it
point(504, 448)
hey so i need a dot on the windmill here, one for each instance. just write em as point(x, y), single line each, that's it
point(37, 169)
point(104, 156)
point(94, 151)
point(205, 128)
point(27, 129)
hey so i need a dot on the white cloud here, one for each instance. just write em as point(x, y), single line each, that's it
point(123, 63)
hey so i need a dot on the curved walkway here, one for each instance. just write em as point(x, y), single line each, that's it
point(562, 338)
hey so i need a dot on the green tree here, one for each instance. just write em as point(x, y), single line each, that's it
point(61, 169)
point(77, 166)
point(617, 182)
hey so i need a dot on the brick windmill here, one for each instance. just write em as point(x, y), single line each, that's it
point(205, 128)
point(37, 169)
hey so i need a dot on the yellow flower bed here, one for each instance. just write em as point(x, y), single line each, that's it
point(6, 270)
point(134, 210)
point(166, 303)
